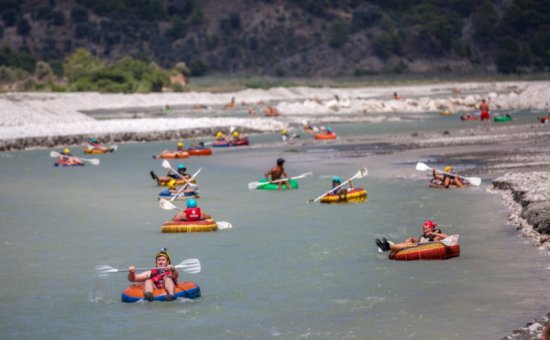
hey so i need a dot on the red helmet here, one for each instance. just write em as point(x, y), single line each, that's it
point(429, 224)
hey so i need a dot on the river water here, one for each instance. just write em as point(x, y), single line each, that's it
point(287, 269)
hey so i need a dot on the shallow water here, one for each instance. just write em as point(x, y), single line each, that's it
point(287, 269)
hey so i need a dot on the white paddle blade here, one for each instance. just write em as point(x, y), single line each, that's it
point(93, 161)
point(114, 148)
point(54, 154)
point(422, 167)
point(102, 270)
point(167, 205)
point(192, 266)
point(474, 180)
point(253, 185)
point(222, 225)
point(362, 173)
point(166, 164)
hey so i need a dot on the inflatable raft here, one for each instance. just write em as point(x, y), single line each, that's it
point(242, 141)
point(275, 186)
point(426, 251)
point(180, 181)
point(469, 117)
point(352, 195)
point(545, 120)
point(172, 155)
point(189, 226)
point(186, 289)
point(72, 162)
point(500, 119)
point(199, 152)
point(168, 194)
point(325, 136)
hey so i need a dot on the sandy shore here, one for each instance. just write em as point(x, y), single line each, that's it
point(512, 160)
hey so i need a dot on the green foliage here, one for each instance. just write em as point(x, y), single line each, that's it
point(43, 71)
point(484, 20)
point(508, 56)
point(7, 74)
point(182, 68)
point(177, 28)
point(79, 14)
point(197, 68)
point(80, 64)
point(383, 45)
point(366, 18)
point(16, 60)
point(23, 27)
point(338, 34)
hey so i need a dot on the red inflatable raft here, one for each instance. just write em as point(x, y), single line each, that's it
point(325, 135)
point(426, 251)
point(187, 289)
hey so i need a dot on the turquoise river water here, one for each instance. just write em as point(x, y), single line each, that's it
point(286, 270)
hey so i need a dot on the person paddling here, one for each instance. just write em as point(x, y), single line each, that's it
point(446, 179)
point(277, 172)
point(67, 158)
point(430, 234)
point(164, 276)
point(181, 173)
point(341, 191)
point(191, 213)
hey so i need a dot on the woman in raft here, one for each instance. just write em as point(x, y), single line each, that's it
point(445, 180)
point(163, 276)
point(430, 235)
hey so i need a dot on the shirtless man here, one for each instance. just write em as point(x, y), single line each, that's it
point(484, 109)
point(277, 172)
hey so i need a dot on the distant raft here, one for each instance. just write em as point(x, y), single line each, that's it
point(172, 155)
point(71, 162)
point(99, 150)
point(182, 196)
point(352, 195)
point(186, 289)
point(275, 186)
point(426, 251)
point(501, 119)
point(325, 135)
point(468, 117)
point(189, 226)
point(199, 151)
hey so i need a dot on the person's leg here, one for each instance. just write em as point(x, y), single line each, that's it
point(170, 288)
point(149, 286)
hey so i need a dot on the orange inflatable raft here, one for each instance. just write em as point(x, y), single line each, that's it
point(172, 155)
point(325, 136)
point(186, 289)
point(199, 152)
point(352, 195)
point(189, 226)
point(426, 251)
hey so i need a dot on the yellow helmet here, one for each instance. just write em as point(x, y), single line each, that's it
point(284, 132)
point(448, 168)
point(180, 145)
point(172, 184)
point(235, 134)
point(66, 151)
point(219, 134)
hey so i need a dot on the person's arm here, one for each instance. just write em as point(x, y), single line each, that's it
point(439, 235)
point(267, 175)
point(133, 277)
point(173, 272)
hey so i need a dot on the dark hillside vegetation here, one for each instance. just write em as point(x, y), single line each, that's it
point(301, 38)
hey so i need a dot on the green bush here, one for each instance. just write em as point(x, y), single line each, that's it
point(338, 34)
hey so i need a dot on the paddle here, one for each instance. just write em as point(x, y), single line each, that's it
point(191, 266)
point(473, 180)
point(94, 161)
point(254, 185)
point(167, 205)
point(360, 174)
point(450, 240)
point(109, 148)
point(166, 165)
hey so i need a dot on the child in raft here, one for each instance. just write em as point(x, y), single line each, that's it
point(191, 213)
point(163, 276)
point(171, 175)
point(430, 234)
point(341, 191)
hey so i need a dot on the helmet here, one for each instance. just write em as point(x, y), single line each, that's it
point(448, 168)
point(329, 129)
point(163, 252)
point(180, 145)
point(191, 203)
point(181, 166)
point(284, 132)
point(429, 224)
point(336, 179)
point(219, 134)
point(280, 161)
point(66, 151)
point(172, 184)
point(93, 140)
point(235, 134)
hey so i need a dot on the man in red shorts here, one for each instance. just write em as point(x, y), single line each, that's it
point(484, 108)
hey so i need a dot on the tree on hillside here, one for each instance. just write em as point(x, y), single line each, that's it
point(80, 64)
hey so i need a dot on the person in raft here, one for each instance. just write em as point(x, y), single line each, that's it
point(191, 213)
point(430, 235)
point(179, 147)
point(163, 276)
point(236, 137)
point(221, 137)
point(328, 131)
point(277, 172)
point(446, 180)
point(171, 175)
point(341, 191)
point(93, 143)
point(190, 190)
point(66, 157)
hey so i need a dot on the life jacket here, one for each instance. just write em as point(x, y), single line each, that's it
point(158, 275)
point(426, 238)
point(193, 214)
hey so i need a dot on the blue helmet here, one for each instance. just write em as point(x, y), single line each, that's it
point(181, 166)
point(329, 129)
point(191, 203)
point(93, 140)
point(336, 179)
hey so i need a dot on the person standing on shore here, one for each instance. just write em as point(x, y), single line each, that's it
point(484, 112)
